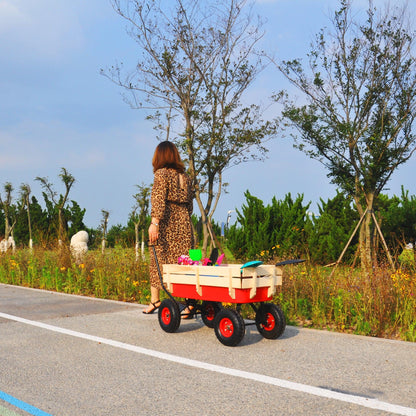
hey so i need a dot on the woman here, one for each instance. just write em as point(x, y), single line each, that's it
point(172, 203)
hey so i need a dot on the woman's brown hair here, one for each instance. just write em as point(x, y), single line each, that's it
point(167, 156)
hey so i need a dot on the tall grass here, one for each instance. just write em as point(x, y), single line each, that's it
point(383, 305)
point(114, 275)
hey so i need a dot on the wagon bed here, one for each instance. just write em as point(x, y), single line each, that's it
point(227, 284)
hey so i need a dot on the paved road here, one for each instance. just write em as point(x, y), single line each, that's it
point(69, 355)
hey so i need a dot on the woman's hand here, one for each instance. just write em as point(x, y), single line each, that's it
point(153, 233)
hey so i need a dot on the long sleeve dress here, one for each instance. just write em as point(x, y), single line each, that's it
point(172, 203)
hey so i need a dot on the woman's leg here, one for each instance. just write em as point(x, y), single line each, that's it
point(154, 300)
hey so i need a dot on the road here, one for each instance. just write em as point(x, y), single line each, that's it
point(70, 355)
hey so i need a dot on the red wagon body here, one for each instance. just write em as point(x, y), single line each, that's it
point(226, 284)
point(215, 285)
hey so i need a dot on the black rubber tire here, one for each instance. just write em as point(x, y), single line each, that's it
point(229, 327)
point(209, 311)
point(169, 316)
point(270, 321)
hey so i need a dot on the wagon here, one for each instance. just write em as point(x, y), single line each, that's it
point(207, 288)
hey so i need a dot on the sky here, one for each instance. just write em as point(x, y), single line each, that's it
point(57, 110)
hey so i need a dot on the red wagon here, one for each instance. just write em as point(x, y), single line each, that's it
point(206, 288)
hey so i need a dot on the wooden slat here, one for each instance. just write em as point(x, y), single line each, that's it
point(231, 276)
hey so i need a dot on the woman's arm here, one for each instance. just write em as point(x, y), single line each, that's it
point(154, 230)
point(158, 201)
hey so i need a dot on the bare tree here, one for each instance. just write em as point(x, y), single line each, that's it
point(24, 194)
point(104, 224)
point(197, 61)
point(68, 180)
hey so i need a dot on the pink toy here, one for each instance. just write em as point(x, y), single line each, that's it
point(220, 259)
point(186, 260)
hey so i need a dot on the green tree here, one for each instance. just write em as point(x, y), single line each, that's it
point(360, 93)
point(6, 205)
point(328, 232)
point(74, 215)
point(287, 226)
point(248, 236)
point(118, 236)
point(197, 61)
point(398, 216)
point(271, 231)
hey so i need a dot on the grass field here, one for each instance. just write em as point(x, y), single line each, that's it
point(383, 305)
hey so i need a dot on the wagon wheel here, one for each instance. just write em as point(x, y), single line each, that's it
point(209, 311)
point(270, 321)
point(229, 327)
point(169, 315)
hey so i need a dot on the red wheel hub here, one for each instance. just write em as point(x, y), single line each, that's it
point(226, 327)
point(166, 316)
point(270, 322)
point(210, 311)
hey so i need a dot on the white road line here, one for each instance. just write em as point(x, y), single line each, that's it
point(303, 388)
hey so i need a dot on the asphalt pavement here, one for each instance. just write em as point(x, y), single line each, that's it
point(71, 355)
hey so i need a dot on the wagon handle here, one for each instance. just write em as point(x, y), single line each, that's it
point(160, 274)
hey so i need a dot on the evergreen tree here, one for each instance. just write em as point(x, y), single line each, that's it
point(330, 230)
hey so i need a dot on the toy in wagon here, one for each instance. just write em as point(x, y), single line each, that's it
point(207, 288)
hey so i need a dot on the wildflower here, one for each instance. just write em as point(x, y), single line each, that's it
point(62, 269)
point(82, 266)
point(135, 283)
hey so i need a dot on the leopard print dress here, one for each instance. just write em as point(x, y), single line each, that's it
point(172, 203)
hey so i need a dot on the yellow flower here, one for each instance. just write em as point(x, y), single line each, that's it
point(62, 269)
point(82, 266)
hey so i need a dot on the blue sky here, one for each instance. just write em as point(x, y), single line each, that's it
point(56, 110)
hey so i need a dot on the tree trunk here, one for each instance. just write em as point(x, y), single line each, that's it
point(6, 227)
point(365, 235)
point(29, 224)
point(136, 234)
point(143, 256)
